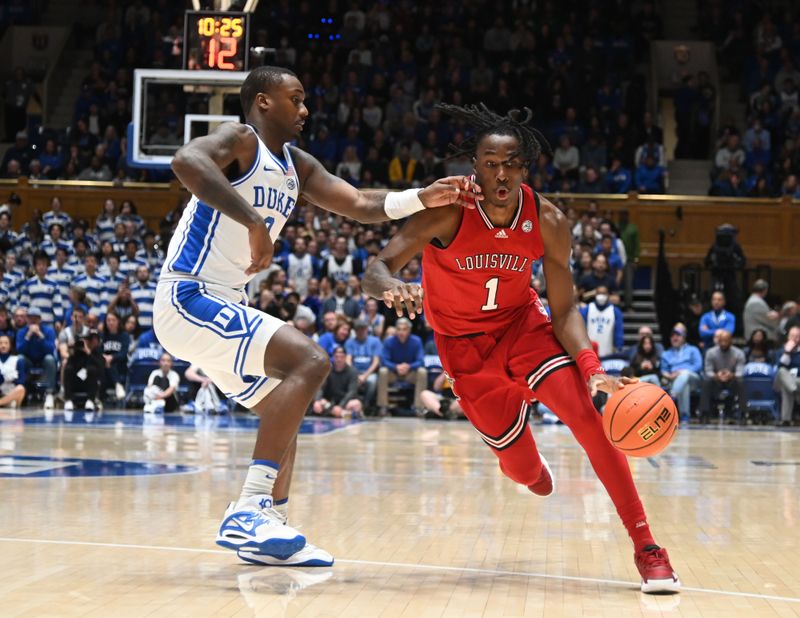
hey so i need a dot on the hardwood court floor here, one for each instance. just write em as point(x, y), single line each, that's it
point(417, 514)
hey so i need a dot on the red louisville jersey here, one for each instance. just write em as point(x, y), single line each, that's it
point(481, 281)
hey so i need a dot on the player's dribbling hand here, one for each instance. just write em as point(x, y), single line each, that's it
point(459, 190)
point(608, 384)
point(406, 296)
point(261, 249)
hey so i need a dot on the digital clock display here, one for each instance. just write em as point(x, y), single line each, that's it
point(216, 41)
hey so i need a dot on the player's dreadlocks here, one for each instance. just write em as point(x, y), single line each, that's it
point(485, 122)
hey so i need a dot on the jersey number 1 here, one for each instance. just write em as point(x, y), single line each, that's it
point(491, 296)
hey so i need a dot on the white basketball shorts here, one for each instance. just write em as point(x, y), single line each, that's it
point(211, 326)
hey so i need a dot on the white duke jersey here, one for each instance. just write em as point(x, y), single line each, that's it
point(211, 247)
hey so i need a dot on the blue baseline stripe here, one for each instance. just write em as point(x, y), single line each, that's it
point(182, 242)
point(215, 217)
point(196, 237)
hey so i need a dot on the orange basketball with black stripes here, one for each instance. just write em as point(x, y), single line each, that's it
point(640, 419)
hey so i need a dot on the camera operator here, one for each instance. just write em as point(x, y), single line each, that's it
point(725, 259)
point(84, 370)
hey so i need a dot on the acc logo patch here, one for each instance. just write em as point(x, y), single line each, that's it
point(290, 184)
point(527, 225)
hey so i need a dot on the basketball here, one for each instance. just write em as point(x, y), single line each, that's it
point(640, 419)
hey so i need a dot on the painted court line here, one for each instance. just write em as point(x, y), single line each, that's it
point(426, 567)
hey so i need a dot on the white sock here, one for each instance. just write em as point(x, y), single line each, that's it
point(282, 506)
point(260, 478)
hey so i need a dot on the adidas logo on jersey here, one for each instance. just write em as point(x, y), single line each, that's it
point(501, 234)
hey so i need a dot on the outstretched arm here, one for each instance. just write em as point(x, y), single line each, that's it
point(324, 189)
point(568, 324)
point(199, 166)
point(379, 281)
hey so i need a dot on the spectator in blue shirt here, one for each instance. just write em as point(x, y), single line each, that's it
point(716, 319)
point(402, 358)
point(650, 177)
point(364, 353)
point(680, 367)
point(36, 342)
point(618, 178)
point(335, 338)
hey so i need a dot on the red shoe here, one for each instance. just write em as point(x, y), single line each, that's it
point(656, 571)
point(545, 485)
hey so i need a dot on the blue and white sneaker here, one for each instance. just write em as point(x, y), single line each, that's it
point(309, 556)
point(253, 525)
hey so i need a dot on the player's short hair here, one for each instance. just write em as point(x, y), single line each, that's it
point(261, 79)
point(516, 123)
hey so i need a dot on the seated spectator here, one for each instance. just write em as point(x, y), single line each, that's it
point(681, 365)
point(591, 183)
point(652, 150)
point(600, 276)
point(402, 168)
point(724, 369)
point(641, 333)
point(646, 361)
point(402, 358)
point(134, 333)
point(373, 317)
point(143, 294)
point(728, 184)
point(593, 154)
point(70, 334)
point(330, 340)
point(758, 348)
point(716, 319)
point(123, 304)
point(618, 179)
point(566, 159)
point(12, 375)
point(83, 371)
point(583, 268)
point(440, 401)
point(36, 343)
point(730, 153)
point(604, 323)
point(650, 177)
point(207, 398)
point(787, 379)
point(364, 354)
point(757, 313)
point(341, 302)
point(116, 343)
point(97, 171)
point(337, 397)
point(161, 392)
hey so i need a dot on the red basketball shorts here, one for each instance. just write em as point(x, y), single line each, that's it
point(496, 375)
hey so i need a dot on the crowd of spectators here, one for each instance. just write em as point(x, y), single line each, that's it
point(373, 79)
point(77, 301)
point(758, 47)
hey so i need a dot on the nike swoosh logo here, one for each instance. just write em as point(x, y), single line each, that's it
point(269, 169)
point(246, 524)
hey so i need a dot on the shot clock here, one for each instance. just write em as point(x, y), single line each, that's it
point(216, 41)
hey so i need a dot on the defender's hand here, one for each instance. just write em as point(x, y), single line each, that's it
point(459, 190)
point(261, 249)
point(404, 295)
point(608, 384)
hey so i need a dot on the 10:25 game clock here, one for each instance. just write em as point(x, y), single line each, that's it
point(216, 41)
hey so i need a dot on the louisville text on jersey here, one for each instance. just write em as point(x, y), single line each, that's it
point(494, 261)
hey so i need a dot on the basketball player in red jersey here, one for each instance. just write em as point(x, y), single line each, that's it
point(494, 337)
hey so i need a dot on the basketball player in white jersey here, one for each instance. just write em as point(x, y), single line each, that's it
point(245, 181)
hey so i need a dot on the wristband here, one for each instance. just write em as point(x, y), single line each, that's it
point(588, 364)
point(401, 204)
